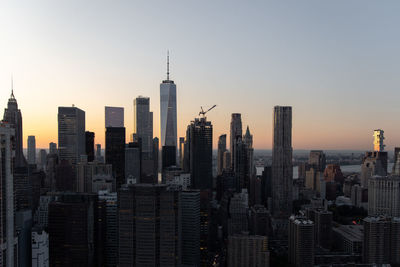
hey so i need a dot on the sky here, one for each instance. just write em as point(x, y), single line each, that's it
point(336, 63)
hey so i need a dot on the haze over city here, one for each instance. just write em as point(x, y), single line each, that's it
point(335, 62)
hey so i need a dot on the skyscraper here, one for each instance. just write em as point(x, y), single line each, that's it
point(199, 135)
point(89, 145)
point(53, 148)
point(236, 131)
point(114, 117)
point(282, 169)
point(74, 225)
point(317, 160)
point(221, 151)
point(143, 128)
point(133, 159)
point(181, 151)
point(143, 123)
point(31, 149)
point(8, 237)
point(12, 116)
point(168, 120)
point(190, 227)
point(384, 196)
point(381, 244)
point(111, 235)
point(301, 242)
point(248, 250)
point(71, 133)
point(374, 162)
point(115, 152)
point(378, 140)
point(149, 218)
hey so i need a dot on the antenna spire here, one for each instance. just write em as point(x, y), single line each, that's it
point(168, 65)
point(12, 87)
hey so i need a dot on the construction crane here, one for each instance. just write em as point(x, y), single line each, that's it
point(202, 112)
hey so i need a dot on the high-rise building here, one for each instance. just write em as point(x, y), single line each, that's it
point(114, 117)
point(199, 134)
point(74, 226)
point(89, 174)
point(31, 150)
point(260, 221)
point(111, 235)
point(374, 163)
point(378, 140)
point(156, 145)
point(42, 159)
point(24, 229)
point(248, 141)
point(381, 244)
point(190, 228)
point(99, 157)
point(323, 228)
point(246, 250)
point(282, 170)
point(149, 218)
point(8, 237)
point(221, 151)
point(168, 120)
point(115, 152)
point(181, 151)
point(71, 134)
point(133, 159)
point(333, 173)
point(143, 123)
point(236, 131)
point(396, 165)
point(12, 117)
point(384, 196)
point(226, 164)
point(317, 160)
point(301, 242)
point(53, 148)
point(238, 213)
point(89, 145)
point(40, 247)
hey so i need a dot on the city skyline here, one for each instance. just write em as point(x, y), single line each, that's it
point(331, 82)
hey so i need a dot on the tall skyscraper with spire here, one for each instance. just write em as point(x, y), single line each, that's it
point(282, 167)
point(12, 116)
point(168, 120)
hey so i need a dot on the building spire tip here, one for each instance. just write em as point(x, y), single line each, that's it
point(168, 65)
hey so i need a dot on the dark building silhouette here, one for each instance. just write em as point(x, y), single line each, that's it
point(190, 202)
point(235, 132)
point(65, 177)
point(221, 151)
point(13, 118)
point(156, 157)
point(71, 134)
point(75, 225)
point(89, 141)
point(282, 169)
point(115, 152)
point(168, 156)
point(133, 159)
point(199, 136)
point(149, 225)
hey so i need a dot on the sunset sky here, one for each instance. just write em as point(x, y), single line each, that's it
point(336, 62)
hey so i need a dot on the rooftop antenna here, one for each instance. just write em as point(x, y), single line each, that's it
point(167, 65)
point(12, 86)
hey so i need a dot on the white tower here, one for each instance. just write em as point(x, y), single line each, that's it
point(168, 111)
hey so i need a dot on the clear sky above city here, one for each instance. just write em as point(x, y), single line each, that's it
point(336, 62)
